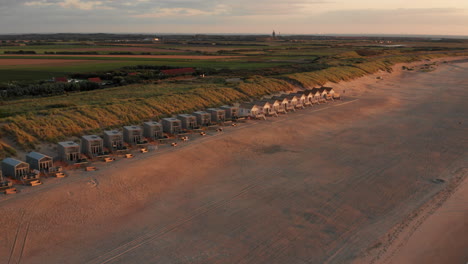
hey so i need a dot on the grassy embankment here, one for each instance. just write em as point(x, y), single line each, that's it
point(54, 118)
point(51, 119)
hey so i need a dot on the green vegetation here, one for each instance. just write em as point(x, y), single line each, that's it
point(47, 71)
point(44, 119)
point(6, 150)
point(266, 68)
point(349, 72)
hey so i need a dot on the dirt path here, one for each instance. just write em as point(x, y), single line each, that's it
point(317, 186)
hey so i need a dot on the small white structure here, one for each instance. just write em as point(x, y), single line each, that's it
point(266, 108)
point(203, 118)
point(92, 145)
point(302, 99)
point(331, 95)
point(217, 115)
point(276, 105)
point(16, 169)
point(317, 94)
point(69, 151)
point(189, 122)
point(293, 101)
point(250, 110)
point(39, 161)
point(133, 135)
point(113, 140)
point(152, 130)
point(285, 103)
point(329, 90)
point(323, 92)
point(232, 112)
point(309, 97)
point(171, 125)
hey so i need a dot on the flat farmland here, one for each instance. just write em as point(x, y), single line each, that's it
point(45, 62)
point(26, 68)
point(188, 57)
point(321, 185)
point(128, 49)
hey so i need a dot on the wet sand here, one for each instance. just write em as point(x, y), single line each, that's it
point(333, 183)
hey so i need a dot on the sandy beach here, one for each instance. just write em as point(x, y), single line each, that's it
point(379, 177)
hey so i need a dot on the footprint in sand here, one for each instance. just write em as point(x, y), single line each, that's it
point(93, 183)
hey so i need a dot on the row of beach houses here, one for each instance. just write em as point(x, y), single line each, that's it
point(115, 141)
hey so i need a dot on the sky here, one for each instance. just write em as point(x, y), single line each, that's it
point(426, 17)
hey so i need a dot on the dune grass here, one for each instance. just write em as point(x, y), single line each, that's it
point(50, 119)
point(348, 72)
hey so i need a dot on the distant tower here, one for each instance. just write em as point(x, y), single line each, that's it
point(274, 34)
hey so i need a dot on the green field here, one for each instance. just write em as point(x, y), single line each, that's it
point(37, 72)
point(262, 55)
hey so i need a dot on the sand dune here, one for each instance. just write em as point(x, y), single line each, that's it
point(330, 184)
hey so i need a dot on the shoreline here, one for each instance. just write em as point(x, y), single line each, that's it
point(212, 179)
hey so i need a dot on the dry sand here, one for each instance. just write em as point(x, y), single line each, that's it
point(333, 183)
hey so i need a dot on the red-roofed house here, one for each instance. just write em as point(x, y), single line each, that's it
point(60, 79)
point(132, 73)
point(178, 71)
point(95, 79)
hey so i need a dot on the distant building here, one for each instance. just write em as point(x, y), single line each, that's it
point(316, 93)
point(69, 151)
point(284, 103)
point(171, 125)
point(265, 108)
point(329, 90)
point(15, 168)
point(217, 115)
point(250, 110)
point(61, 79)
point(232, 112)
point(189, 122)
point(203, 118)
point(95, 80)
point(276, 106)
point(133, 135)
point(39, 161)
point(301, 99)
point(113, 140)
point(308, 94)
point(92, 145)
point(152, 130)
point(293, 101)
point(180, 71)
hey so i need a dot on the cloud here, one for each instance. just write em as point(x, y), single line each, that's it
point(38, 3)
point(88, 5)
point(395, 16)
point(184, 12)
point(290, 16)
point(70, 4)
point(160, 8)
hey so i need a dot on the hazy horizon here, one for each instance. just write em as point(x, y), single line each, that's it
point(305, 17)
